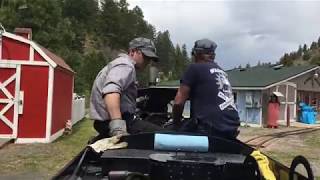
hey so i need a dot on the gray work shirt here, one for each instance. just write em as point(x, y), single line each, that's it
point(119, 76)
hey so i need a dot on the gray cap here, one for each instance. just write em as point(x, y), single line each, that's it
point(146, 46)
point(204, 46)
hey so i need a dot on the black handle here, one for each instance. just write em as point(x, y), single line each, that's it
point(300, 160)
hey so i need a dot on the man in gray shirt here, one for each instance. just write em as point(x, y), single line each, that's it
point(114, 92)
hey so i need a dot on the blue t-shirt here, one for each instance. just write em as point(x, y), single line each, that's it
point(212, 102)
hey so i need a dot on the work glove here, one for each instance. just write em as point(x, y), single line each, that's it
point(108, 143)
point(117, 127)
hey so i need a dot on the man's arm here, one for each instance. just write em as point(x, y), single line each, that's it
point(117, 125)
point(179, 101)
point(112, 101)
point(118, 79)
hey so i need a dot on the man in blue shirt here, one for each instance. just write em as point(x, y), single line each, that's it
point(206, 85)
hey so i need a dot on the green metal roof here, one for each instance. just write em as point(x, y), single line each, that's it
point(263, 76)
point(259, 76)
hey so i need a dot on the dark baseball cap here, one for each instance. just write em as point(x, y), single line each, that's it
point(204, 46)
point(146, 46)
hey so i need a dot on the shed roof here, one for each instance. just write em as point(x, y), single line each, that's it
point(263, 76)
point(58, 60)
point(52, 58)
point(259, 76)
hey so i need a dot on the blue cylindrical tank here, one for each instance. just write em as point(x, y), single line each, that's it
point(308, 114)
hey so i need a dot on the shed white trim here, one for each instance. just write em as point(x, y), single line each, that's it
point(49, 103)
point(6, 136)
point(5, 100)
point(31, 54)
point(8, 81)
point(44, 55)
point(0, 45)
point(56, 135)
point(38, 140)
point(32, 45)
point(5, 83)
point(30, 140)
point(11, 99)
point(5, 119)
point(35, 63)
point(17, 101)
point(16, 37)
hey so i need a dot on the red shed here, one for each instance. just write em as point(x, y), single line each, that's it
point(36, 88)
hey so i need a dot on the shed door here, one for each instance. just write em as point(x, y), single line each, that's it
point(9, 94)
point(288, 102)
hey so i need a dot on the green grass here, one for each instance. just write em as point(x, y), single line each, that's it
point(45, 159)
point(312, 139)
point(282, 157)
point(310, 150)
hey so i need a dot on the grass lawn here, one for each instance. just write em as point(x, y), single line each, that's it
point(285, 149)
point(309, 149)
point(41, 161)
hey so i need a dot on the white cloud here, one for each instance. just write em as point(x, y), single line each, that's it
point(245, 31)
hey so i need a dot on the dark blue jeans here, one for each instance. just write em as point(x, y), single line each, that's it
point(133, 126)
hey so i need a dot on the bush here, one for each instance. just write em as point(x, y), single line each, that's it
point(306, 56)
point(315, 60)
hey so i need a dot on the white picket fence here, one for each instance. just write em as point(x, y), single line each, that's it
point(78, 109)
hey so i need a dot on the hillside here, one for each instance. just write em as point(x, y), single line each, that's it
point(312, 57)
point(303, 56)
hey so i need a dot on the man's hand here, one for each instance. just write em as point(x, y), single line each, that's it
point(117, 127)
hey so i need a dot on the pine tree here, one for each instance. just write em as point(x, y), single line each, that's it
point(299, 52)
point(165, 51)
point(123, 5)
point(313, 46)
point(185, 55)
point(286, 60)
point(259, 63)
point(83, 11)
point(305, 48)
point(178, 65)
point(306, 56)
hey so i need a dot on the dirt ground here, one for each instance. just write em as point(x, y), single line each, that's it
point(286, 148)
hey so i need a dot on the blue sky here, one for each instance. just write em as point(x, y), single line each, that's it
point(245, 31)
